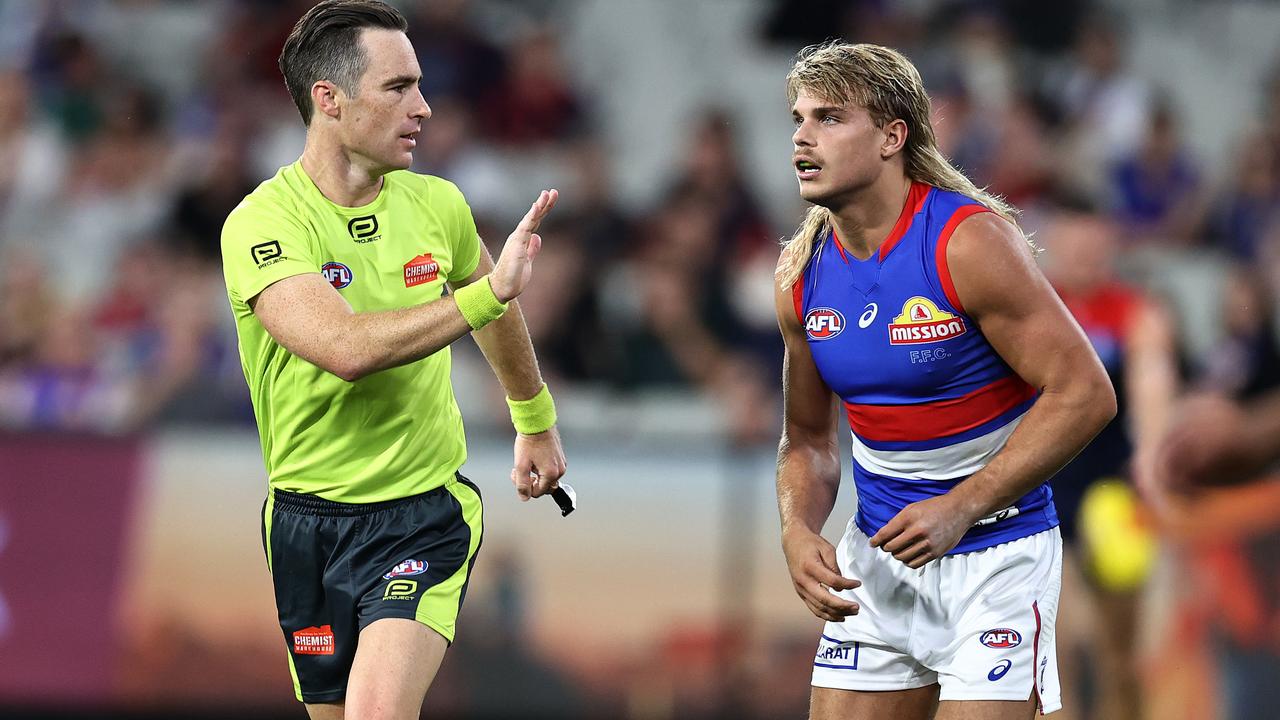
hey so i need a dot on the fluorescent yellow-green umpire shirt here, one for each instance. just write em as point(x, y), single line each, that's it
point(391, 434)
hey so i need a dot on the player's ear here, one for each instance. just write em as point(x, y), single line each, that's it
point(324, 96)
point(895, 138)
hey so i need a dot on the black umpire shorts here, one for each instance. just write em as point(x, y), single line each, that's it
point(337, 567)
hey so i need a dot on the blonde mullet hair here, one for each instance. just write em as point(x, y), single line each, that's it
point(884, 82)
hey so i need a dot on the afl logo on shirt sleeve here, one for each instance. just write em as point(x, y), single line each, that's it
point(823, 323)
point(922, 322)
point(338, 275)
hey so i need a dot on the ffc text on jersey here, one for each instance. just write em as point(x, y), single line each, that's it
point(338, 275)
point(1001, 638)
point(823, 323)
point(421, 269)
point(922, 322)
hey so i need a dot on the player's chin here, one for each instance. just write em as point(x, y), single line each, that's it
point(401, 160)
point(813, 192)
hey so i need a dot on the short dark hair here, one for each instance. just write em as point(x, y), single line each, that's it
point(325, 45)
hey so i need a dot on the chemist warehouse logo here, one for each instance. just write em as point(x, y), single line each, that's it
point(922, 322)
point(313, 641)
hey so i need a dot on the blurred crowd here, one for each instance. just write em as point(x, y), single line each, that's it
point(121, 152)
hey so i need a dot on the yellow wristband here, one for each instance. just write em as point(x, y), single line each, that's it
point(535, 415)
point(478, 304)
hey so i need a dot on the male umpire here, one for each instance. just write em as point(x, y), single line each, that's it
point(349, 276)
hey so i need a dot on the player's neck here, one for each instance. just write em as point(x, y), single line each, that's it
point(866, 219)
point(338, 177)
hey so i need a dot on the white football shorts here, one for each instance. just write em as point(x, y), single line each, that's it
point(980, 623)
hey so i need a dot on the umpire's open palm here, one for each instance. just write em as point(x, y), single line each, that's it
point(511, 274)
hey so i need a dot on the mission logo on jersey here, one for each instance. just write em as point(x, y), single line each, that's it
point(922, 322)
point(823, 323)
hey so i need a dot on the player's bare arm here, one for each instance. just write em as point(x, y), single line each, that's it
point(808, 472)
point(1002, 289)
point(539, 459)
point(307, 316)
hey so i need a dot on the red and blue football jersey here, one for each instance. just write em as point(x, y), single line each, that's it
point(929, 401)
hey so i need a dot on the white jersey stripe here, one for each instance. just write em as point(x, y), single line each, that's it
point(944, 463)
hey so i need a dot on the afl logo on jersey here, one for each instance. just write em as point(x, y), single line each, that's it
point(823, 323)
point(338, 275)
point(1001, 638)
point(922, 322)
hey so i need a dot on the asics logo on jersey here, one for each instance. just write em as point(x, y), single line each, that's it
point(999, 670)
point(922, 322)
point(363, 229)
point(868, 315)
point(1001, 638)
point(823, 323)
point(338, 275)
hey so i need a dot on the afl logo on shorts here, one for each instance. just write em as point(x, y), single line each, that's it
point(338, 275)
point(823, 323)
point(1001, 638)
point(408, 567)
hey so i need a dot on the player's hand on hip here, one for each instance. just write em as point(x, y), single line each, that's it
point(515, 265)
point(539, 464)
point(815, 574)
point(923, 531)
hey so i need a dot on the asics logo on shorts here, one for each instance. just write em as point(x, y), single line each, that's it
point(999, 670)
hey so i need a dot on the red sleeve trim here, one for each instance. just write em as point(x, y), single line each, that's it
point(944, 238)
point(797, 296)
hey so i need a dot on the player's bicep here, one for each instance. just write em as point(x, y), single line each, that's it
point(304, 314)
point(1000, 286)
point(809, 406)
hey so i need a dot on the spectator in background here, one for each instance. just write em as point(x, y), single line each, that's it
point(1103, 106)
point(202, 206)
point(118, 190)
point(457, 60)
point(32, 160)
point(1217, 497)
point(1134, 339)
point(1248, 211)
point(534, 103)
point(27, 307)
point(68, 72)
point(1157, 188)
point(1243, 215)
point(62, 387)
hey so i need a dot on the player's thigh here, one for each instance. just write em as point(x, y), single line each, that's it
point(987, 709)
point(834, 704)
point(396, 660)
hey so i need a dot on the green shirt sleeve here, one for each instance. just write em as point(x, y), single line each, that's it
point(261, 244)
point(466, 241)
